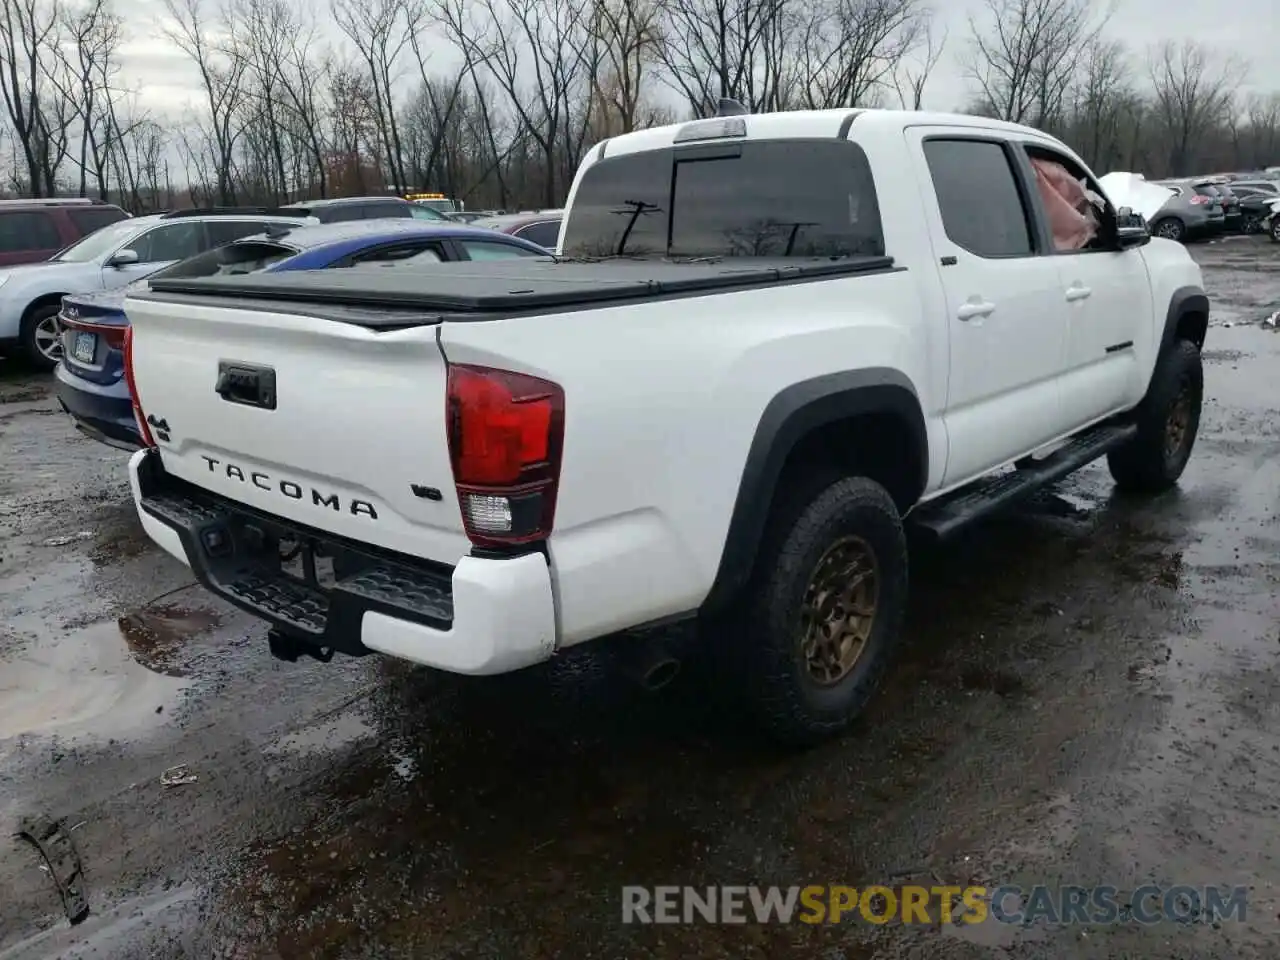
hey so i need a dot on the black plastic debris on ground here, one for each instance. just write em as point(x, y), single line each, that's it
point(48, 836)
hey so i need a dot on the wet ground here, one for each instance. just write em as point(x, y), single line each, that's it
point(1087, 695)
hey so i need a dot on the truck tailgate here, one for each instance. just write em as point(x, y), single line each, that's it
point(328, 424)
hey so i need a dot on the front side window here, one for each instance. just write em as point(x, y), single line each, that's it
point(408, 250)
point(763, 198)
point(978, 197)
point(173, 241)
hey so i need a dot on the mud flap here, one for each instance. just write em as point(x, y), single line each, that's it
point(54, 844)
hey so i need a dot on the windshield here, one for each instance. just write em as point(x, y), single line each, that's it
point(421, 211)
point(764, 198)
point(102, 242)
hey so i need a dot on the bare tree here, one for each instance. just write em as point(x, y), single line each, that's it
point(550, 43)
point(1022, 57)
point(28, 39)
point(222, 77)
point(381, 30)
point(850, 49)
point(913, 73)
point(1193, 94)
point(713, 48)
point(628, 34)
point(1102, 102)
point(84, 76)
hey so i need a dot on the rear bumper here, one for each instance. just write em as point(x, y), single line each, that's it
point(103, 413)
point(481, 617)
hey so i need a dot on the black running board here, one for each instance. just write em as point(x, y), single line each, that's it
point(941, 518)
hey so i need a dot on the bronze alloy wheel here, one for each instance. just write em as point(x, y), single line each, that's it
point(839, 609)
point(1178, 423)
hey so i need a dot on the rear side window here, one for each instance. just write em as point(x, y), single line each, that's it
point(21, 231)
point(763, 198)
point(237, 258)
point(175, 241)
point(225, 231)
point(982, 208)
point(379, 211)
point(341, 212)
point(95, 218)
point(543, 234)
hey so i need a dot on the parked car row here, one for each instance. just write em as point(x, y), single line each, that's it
point(1203, 207)
point(53, 248)
point(90, 379)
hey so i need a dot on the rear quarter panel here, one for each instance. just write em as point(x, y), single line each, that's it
point(662, 400)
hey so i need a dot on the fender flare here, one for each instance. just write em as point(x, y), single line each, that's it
point(789, 416)
point(1189, 299)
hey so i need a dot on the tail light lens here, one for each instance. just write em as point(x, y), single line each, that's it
point(138, 415)
point(112, 334)
point(506, 433)
point(1197, 199)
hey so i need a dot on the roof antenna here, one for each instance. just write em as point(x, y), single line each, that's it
point(730, 108)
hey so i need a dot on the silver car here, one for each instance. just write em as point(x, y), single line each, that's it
point(1187, 215)
point(31, 294)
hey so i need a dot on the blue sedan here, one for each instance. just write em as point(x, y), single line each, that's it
point(91, 384)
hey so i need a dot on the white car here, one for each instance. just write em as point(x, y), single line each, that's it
point(768, 345)
point(107, 259)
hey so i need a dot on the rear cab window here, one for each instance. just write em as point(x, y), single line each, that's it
point(754, 198)
point(22, 231)
point(983, 209)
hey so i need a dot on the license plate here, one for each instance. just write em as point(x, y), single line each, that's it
point(86, 346)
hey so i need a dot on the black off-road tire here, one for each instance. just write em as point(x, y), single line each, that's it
point(1154, 460)
point(761, 644)
point(1274, 232)
point(31, 352)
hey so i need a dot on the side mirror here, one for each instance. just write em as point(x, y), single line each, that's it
point(1131, 229)
point(123, 258)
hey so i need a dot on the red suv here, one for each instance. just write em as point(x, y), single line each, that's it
point(34, 230)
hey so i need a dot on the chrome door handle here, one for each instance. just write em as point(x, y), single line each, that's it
point(1077, 292)
point(975, 308)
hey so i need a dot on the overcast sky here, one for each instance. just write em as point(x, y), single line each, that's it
point(168, 82)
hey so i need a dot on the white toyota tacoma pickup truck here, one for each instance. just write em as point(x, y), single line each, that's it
point(769, 345)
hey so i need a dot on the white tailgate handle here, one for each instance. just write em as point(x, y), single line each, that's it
point(975, 308)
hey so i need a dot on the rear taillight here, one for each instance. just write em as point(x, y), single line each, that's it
point(138, 415)
point(506, 433)
point(112, 334)
point(1197, 199)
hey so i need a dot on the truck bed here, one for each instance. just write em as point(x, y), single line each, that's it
point(407, 294)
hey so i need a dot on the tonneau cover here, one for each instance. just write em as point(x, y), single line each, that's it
point(506, 285)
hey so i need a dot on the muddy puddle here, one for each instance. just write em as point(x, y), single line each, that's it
point(103, 681)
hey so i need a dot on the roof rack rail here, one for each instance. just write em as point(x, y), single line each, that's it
point(51, 201)
point(230, 211)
